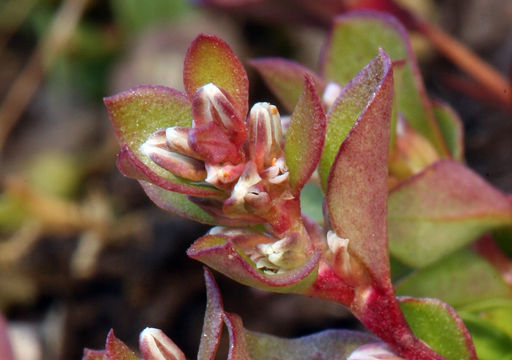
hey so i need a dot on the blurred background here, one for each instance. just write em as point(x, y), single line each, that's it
point(82, 249)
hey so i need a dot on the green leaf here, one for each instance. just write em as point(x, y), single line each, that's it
point(305, 137)
point(357, 185)
point(355, 40)
point(325, 345)
point(211, 60)
point(490, 342)
point(497, 311)
point(440, 210)
point(285, 79)
point(451, 128)
point(439, 326)
point(311, 199)
point(459, 279)
point(176, 203)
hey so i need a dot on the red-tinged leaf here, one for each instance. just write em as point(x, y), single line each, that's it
point(176, 203)
point(355, 39)
point(285, 79)
point(437, 324)
point(305, 137)
point(94, 355)
point(440, 210)
point(237, 342)
point(5, 345)
point(212, 325)
point(225, 255)
point(210, 60)
point(117, 350)
point(352, 101)
point(451, 127)
point(131, 166)
point(357, 184)
point(139, 112)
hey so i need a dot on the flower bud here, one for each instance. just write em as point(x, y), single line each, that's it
point(373, 351)
point(235, 204)
point(155, 345)
point(180, 165)
point(345, 265)
point(265, 134)
point(282, 254)
point(221, 176)
point(177, 141)
point(211, 104)
point(331, 93)
point(412, 152)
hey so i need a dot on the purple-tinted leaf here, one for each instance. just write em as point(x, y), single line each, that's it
point(440, 210)
point(285, 79)
point(226, 256)
point(117, 350)
point(94, 355)
point(325, 345)
point(451, 128)
point(237, 342)
point(212, 326)
point(437, 324)
point(305, 137)
point(5, 345)
point(357, 185)
point(176, 203)
point(131, 166)
point(210, 60)
point(213, 144)
point(136, 114)
point(355, 40)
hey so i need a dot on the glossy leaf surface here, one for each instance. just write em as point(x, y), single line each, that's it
point(357, 185)
point(305, 137)
point(440, 210)
point(439, 326)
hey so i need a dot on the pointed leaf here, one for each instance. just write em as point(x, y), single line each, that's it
point(211, 60)
point(305, 137)
point(285, 79)
point(117, 350)
point(212, 326)
point(226, 256)
point(451, 128)
point(458, 279)
point(355, 40)
point(352, 101)
point(176, 203)
point(325, 345)
point(357, 184)
point(136, 114)
point(437, 324)
point(440, 210)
